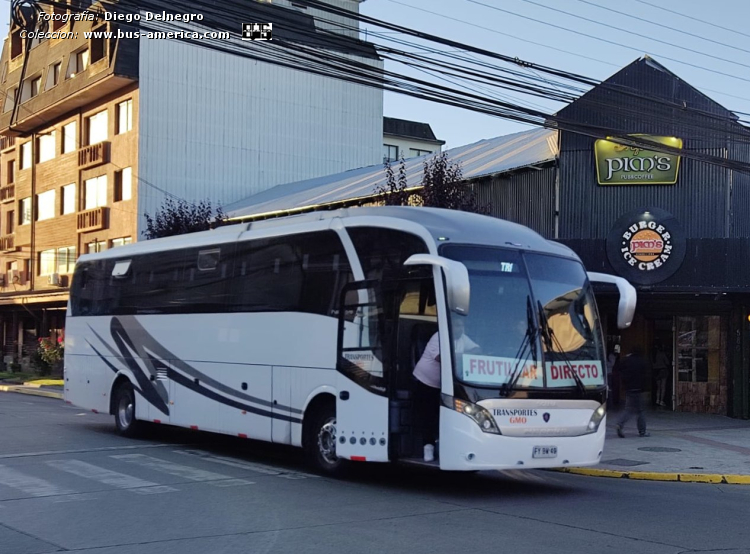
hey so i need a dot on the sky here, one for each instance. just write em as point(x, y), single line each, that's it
point(458, 127)
point(723, 55)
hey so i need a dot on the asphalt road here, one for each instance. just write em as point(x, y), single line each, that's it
point(68, 483)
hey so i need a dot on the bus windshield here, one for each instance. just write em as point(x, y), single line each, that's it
point(532, 324)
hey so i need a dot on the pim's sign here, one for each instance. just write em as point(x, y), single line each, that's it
point(617, 164)
point(646, 246)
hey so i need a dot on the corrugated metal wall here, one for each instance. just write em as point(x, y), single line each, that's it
point(708, 200)
point(526, 197)
point(223, 127)
point(710, 264)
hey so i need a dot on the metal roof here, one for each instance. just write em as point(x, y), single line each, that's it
point(486, 157)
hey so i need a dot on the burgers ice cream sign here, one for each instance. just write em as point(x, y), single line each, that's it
point(646, 246)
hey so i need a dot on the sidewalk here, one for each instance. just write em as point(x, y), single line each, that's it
point(682, 447)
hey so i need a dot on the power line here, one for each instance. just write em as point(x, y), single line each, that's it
point(693, 18)
point(673, 45)
point(329, 64)
point(606, 40)
point(663, 26)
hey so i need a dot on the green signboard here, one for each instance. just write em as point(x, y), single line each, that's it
point(617, 164)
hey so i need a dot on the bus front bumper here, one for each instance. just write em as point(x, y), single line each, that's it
point(465, 447)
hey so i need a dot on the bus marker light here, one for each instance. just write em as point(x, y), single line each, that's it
point(194, 427)
point(242, 435)
point(94, 411)
point(157, 421)
point(359, 459)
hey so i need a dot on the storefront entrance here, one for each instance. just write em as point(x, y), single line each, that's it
point(694, 351)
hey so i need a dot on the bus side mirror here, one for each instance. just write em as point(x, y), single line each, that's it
point(628, 297)
point(456, 279)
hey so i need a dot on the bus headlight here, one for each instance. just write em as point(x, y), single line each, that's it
point(481, 416)
point(596, 419)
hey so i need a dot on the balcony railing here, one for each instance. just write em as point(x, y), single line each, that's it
point(7, 243)
point(91, 156)
point(92, 220)
point(7, 142)
point(7, 193)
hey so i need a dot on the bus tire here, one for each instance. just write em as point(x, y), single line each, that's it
point(124, 410)
point(320, 441)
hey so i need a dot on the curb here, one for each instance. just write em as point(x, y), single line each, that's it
point(715, 478)
point(44, 383)
point(31, 391)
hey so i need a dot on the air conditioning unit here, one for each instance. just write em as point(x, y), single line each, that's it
point(14, 276)
point(54, 279)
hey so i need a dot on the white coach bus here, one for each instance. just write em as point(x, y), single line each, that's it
point(306, 330)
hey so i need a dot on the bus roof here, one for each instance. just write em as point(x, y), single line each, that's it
point(443, 225)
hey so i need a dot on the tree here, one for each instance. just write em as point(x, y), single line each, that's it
point(442, 187)
point(180, 217)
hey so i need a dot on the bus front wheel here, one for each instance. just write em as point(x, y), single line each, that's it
point(320, 441)
point(124, 408)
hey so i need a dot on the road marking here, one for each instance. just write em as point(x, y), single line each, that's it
point(250, 466)
point(522, 475)
point(87, 450)
point(108, 477)
point(33, 486)
point(184, 472)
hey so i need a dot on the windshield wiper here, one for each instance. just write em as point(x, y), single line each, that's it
point(529, 341)
point(549, 338)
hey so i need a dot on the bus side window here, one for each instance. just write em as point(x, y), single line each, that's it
point(303, 273)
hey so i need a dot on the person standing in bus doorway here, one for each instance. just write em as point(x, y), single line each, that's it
point(662, 366)
point(427, 378)
point(633, 371)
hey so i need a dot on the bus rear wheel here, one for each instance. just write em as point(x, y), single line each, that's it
point(320, 442)
point(124, 411)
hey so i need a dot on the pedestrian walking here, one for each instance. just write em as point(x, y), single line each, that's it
point(633, 372)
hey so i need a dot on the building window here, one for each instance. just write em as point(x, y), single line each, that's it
point(10, 222)
point(35, 86)
point(46, 147)
point(53, 75)
point(11, 172)
point(68, 199)
point(98, 44)
point(10, 98)
point(78, 62)
point(390, 153)
point(124, 117)
point(121, 241)
point(96, 246)
point(66, 259)
point(25, 155)
point(699, 349)
point(16, 43)
point(417, 152)
point(123, 184)
point(69, 139)
point(96, 128)
point(47, 262)
point(59, 20)
point(96, 192)
point(24, 209)
point(45, 205)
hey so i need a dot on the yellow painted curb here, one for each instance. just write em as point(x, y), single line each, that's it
point(655, 476)
point(31, 391)
point(45, 383)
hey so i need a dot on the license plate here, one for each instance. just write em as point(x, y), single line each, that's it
point(544, 452)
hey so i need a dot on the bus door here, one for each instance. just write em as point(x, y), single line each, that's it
point(363, 364)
